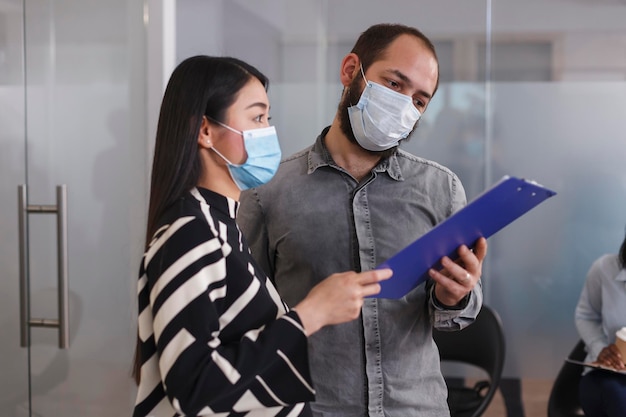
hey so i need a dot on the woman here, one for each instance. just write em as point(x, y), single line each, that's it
point(214, 337)
point(600, 312)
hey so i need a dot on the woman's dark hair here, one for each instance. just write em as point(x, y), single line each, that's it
point(199, 86)
point(622, 254)
point(372, 44)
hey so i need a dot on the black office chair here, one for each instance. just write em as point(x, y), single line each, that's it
point(564, 401)
point(481, 344)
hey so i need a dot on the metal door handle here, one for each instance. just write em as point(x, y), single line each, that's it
point(60, 209)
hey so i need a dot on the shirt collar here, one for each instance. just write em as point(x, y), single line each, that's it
point(319, 156)
point(226, 205)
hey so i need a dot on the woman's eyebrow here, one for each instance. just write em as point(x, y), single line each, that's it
point(258, 104)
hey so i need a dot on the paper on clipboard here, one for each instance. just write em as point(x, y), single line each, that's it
point(596, 366)
point(492, 210)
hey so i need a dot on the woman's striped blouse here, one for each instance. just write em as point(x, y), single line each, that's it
point(216, 339)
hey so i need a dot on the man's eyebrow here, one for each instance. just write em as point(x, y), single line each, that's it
point(408, 82)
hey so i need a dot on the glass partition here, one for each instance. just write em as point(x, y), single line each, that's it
point(70, 76)
point(534, 89)
point(558, 115)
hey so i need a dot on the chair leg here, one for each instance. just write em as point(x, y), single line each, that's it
point(511, 389)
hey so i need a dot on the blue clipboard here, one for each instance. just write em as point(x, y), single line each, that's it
point(492, 210)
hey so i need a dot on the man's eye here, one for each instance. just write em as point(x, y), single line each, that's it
point(393, 84)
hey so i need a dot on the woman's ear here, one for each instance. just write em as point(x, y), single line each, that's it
point(350, 67)
point(204, 136)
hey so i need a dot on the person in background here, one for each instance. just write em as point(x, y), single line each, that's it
point(349, 202)
point(600, 313)
point(214, 337)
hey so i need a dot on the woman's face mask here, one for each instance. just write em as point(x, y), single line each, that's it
point(382, 117)
point(264, 156)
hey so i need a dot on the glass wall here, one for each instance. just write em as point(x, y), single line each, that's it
point(565, 127)
point(535, 89)
point(72, 112)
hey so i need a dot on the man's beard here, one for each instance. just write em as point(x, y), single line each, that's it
point(350, 98)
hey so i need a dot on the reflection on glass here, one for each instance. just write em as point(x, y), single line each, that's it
point(546, 101)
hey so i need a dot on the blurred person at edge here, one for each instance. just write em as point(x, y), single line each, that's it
point(600, 313)
point(349, 202)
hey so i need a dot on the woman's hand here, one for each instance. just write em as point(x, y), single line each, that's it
point(338, 298)
point(610, 356)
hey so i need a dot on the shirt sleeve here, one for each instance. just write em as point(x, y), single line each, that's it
point(214, 353)
point(459, 198)
point(588, 314)
point(450, 319)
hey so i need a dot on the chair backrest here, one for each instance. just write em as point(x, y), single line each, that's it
point(564, 400)
point(480, 344)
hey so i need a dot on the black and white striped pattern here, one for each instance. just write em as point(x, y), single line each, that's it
point(217, 340)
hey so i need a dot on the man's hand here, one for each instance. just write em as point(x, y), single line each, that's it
point(458, 278)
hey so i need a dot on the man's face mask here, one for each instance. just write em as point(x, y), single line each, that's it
point(264, 155)
point(382, 117)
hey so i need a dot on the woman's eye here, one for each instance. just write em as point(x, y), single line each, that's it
point(262, 118)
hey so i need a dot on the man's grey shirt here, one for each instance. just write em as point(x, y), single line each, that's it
point(314, 219)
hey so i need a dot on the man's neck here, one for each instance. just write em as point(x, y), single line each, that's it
point(348, 155)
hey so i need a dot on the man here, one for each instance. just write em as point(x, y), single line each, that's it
point(351, 201)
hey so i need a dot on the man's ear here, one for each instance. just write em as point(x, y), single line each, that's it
point(350, 68)
point(204, 136)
